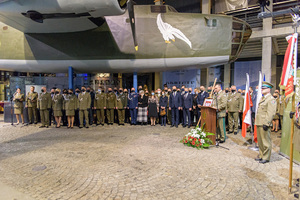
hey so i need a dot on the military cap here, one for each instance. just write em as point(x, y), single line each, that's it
point(266, 84)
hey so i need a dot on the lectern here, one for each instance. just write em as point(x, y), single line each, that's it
point(209, 118)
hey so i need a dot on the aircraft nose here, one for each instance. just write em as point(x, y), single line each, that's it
point(241, 32)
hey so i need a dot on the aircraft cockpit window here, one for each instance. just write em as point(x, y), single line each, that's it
point(211, 22)
point(237, 26)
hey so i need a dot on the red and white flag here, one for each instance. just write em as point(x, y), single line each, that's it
point(289, 65)
point(258, 97)
point(246, 111)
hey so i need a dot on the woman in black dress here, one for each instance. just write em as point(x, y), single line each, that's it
point(153, 108)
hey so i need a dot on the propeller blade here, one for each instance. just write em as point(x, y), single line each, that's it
point(130, 5)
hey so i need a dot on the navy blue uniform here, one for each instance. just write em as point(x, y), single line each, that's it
point(133, 104)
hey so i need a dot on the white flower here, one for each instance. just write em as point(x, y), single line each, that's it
point(203, 134)
point(202, 141)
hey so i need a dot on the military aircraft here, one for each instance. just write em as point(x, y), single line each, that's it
point(48, 36)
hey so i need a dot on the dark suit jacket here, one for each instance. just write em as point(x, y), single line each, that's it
point(187, 102)
point(201, 97)
point(163, 102)
point(175, 101)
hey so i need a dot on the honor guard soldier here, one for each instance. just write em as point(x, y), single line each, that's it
point(265, 112)
point(111, 104)
point(234, 107)
point(121, 106)
point(220, 103)
point(44, 106)
point(31, 105)
point(100, 106)
point(84, 106)
point(133, 99)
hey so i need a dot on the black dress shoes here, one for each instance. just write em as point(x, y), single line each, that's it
point(263, 161)
point(258, 159)
point(172, 126)
point(296, 196)
point(235, 133)
point(189, 126)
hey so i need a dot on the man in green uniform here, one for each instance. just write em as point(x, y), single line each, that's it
point(265, 113)
point(44, 105)
point(31, 105)
point(84, 106)
point(220, 103)
point(234, 107)
point(100, 106)
point(121, 106)
point(111, 104)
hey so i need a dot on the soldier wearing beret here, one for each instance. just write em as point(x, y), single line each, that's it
point(111, 105)
point(84, 106)
point(44, 105)
point(234, 106)
point(57, 106)
point(220, 103)
point(71, 104)
point(31, 105)
point(100, 106)
point(121, 105)
point(265, 112)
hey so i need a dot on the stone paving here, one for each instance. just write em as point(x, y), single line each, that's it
point(133, 162)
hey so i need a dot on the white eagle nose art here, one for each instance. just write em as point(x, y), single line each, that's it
point(169, 33)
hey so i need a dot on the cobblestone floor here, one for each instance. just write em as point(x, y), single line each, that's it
point(133, 162)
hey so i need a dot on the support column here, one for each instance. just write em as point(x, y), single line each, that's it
point(70, 74)
point(135, 81)
point(157, 80)
point(206, 6)
point(227, 75)
point(120, 80)
point(267, 47)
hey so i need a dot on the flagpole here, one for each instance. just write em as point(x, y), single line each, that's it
point(293, 110)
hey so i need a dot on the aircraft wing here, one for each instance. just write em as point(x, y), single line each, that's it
point(58, 16)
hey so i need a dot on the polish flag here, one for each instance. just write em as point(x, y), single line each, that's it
point(290, 65)
point(258, 97)
point(247, 111)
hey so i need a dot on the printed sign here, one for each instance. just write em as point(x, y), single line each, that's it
point(208, 102)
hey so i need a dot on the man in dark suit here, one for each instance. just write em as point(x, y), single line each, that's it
point(175, 106)
point(187, 104)
point(200, 99)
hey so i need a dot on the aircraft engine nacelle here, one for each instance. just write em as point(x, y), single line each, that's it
point(58, 16)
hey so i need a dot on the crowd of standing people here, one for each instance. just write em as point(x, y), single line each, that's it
point(173, 106)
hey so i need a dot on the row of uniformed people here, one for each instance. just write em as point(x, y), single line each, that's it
point(58, 105)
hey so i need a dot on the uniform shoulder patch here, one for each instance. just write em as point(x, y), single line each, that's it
point(273, 101)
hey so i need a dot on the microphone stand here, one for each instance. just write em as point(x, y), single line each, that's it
point(218, 140)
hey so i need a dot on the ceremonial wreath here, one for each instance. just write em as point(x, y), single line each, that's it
point(197, 138)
